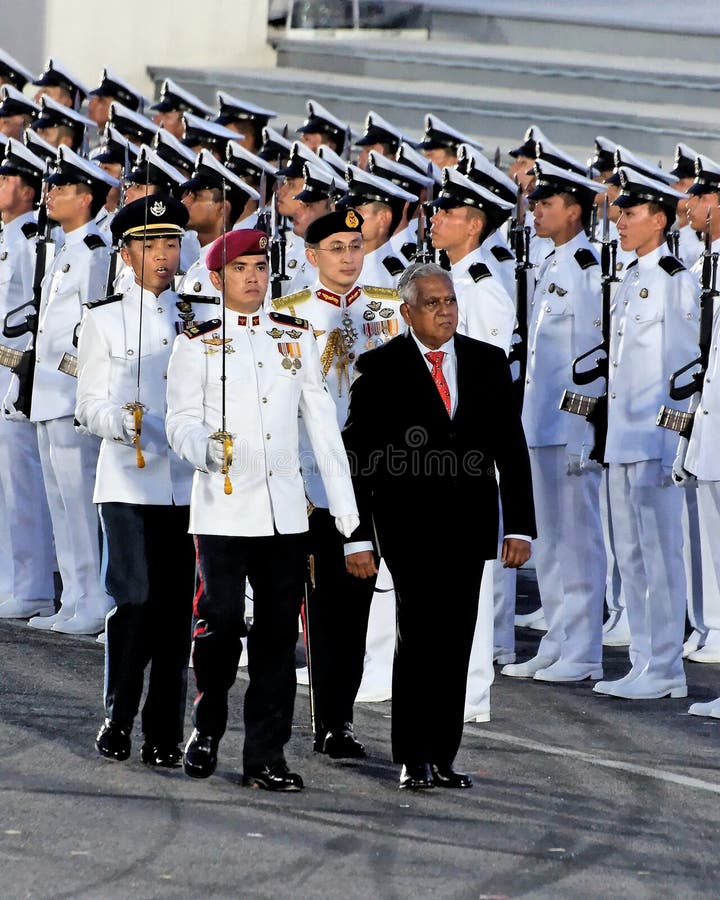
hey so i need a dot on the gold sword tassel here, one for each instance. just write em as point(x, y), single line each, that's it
point(137, 410)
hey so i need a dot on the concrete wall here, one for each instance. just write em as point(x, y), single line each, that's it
point(130, 36)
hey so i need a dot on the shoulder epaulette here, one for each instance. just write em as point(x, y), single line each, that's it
point(393, 265)
point(671, 265)
point(283, 319)
point(94, 241)
point(501, 254)
point(291, 299)
point(200, 298)
point(193, 329)
point(29, 229)
point(409, 250)
point(629, 265)
point(380, 293)
point(103, 301)
point(585, 258)
point(444, 260)
point(478, 271)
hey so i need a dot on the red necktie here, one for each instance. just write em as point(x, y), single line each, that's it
point(436, 358)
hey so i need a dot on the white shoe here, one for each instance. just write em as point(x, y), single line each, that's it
point(503, 657)
point(80, 625)
point(692, 643)
point(531, 620)
point(561, 671)
point(710, 653)
point(711, 708)
point(607, 687)
point(374, 693)
point(24, 609)
point(650, 687)
point(475, 715)
point(45, 623)
point(242, 664)
point(302, 675)
point(101, 638)
point(617, 634)
point(527, 669)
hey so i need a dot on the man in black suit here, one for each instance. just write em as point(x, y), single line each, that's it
point(431, 415)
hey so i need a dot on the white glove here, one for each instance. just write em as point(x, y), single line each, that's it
point(574, 464)
point(214, 455)
point(11, 414)
point(667, 479)
point(587, 464)
point(347, 524)
point(680, 474)
point(128, 422)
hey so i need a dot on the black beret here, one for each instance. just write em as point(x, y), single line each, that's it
point(333, 223)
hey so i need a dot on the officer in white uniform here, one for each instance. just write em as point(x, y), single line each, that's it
point(246, 119)
point(174, 101)
point(440, 142)
point(215, 187)
point(690, 245)
point(249, 514)
point(347, 318)
point(141, 487)
point(16, 112)
point(322, 127)
point(564, 323)
point(77, 190)
point(654, 328)
point(379, 137)
point(381, 205)
point(26, 537)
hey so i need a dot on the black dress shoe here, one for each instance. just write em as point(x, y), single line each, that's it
point(446, 776)
point(342, 744)
point(169, 756)
point(200, 758)
point(416, 777)
point(276, 777)
point(113, 740)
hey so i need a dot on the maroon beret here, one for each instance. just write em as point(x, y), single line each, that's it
point(239, 242)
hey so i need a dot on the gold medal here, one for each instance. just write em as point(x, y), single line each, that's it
point(551, 287)
point(286, 364)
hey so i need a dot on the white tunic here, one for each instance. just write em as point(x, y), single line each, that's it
point(486, 311)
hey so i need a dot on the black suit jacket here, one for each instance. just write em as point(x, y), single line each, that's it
point(415, 468)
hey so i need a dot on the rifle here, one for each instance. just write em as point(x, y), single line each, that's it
point(424, 250)
point(518, 347)
point(595, 409)
point(675, 419)
point(517, 222)
point(278, 246)
point(264, 214)
point(24, 366)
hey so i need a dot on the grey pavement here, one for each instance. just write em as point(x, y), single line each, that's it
point(575, 796)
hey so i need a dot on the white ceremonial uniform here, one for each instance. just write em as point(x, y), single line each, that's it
point(189, 249)
point(107, 379)
point(382, 267)
point(690, 246)
point(103, 220)
point(404, 243)
point(272, 369)
point(569, 554)
point(654, 328)
point(300, 270)
point(486, 311)
point(26, 550)
point(701, 460)
point(500, 260)
point(196, 281)
point(69, 458)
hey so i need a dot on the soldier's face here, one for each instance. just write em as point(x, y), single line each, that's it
point(376, 222)
point(13, 126)
point(699, 207)
point(442, 156)
point(135, 191)
point(99, 109)
point(246, 134)
point(339, 260)
point(205, 208)
point(312, 140)
point(246, 283)
point(15, 196)
point(57, 93)
point(171, 121)
point(683, 214)
point(518, 171)
point(452, 227)
point(433, 314)
point(552, 216)
point(288, 188)
point(68, 203)
point(155, 261)
point(640, 229)
point(307, 213)
point(365, 152)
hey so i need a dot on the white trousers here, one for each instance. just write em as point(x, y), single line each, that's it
point(481, 672)
point(570, 559)
point(614, 599)
point(646, 520)
point(27, 556)
point(376, 682)
point(708, 502)
point(68, 462)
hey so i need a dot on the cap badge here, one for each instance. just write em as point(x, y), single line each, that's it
point(351, 220)
point(158, 208)
point(262, 243)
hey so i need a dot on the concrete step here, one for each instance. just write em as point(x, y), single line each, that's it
point(493, 115)
point(570, 72)
point(686, 31)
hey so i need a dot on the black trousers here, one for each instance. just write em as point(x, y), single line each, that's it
point(428, 702)
point(151, 621)
point(275, 566)
point(338, 610)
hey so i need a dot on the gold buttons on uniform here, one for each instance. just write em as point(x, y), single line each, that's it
point(130, 353)
point(644, 293)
